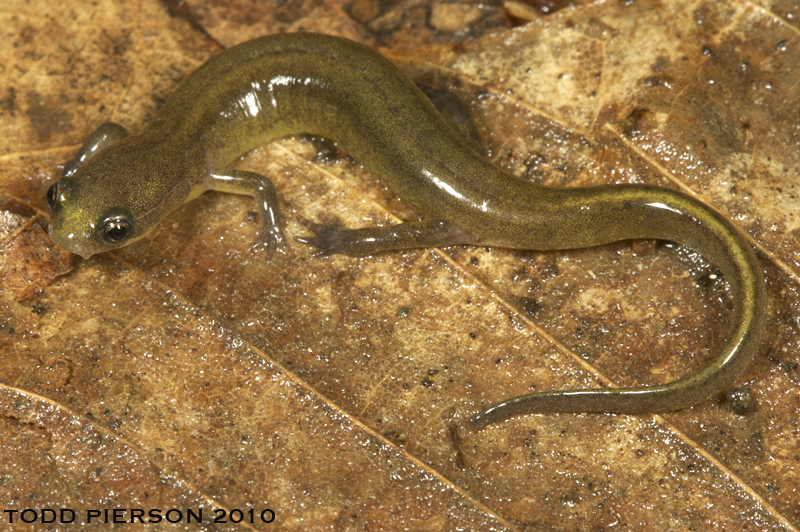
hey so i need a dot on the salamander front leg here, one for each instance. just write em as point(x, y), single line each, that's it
point(332, 238)
point(263, 192)
point(104, 136)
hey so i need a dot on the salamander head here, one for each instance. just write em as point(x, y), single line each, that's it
point(113, 199)
point(84, 222)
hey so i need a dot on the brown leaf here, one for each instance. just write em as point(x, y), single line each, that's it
point(185, 372)
point(29, 260)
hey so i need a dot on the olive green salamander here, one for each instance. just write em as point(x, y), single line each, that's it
point(119, 186)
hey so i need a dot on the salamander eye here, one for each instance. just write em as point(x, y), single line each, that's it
point(52, 197)
point(116, 229)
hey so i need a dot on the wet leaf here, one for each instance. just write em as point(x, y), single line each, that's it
point(186, 372)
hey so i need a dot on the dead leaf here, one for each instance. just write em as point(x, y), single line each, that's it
point(29, 261)
point(184, 372)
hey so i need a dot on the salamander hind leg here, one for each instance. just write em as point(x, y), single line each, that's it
point(330, 237)
point(458, 114)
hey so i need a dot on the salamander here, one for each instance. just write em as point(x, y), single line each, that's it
point(119, 186)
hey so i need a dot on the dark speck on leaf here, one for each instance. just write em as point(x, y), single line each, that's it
point(740, 399)
point(530, 306)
